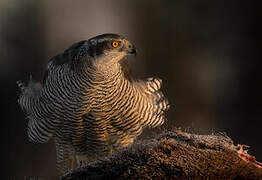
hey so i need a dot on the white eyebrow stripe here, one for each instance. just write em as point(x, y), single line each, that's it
point(106, 39)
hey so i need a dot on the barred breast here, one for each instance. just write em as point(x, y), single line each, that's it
point(121, 108)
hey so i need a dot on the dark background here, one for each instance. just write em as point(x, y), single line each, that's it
point(208, 54)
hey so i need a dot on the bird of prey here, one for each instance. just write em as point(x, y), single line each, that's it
point(88, 102)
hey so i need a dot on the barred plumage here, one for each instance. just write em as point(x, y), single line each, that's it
point(89, 103)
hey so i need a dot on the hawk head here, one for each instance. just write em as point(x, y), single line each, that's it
point(102, 51)
point(110, 46)
point(108, 50)
point(105, 47)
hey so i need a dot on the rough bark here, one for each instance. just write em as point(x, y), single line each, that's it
point(175, 155)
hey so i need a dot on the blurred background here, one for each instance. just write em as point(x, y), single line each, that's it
point(208, 54)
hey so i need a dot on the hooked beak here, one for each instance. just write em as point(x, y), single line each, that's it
point(131, 50)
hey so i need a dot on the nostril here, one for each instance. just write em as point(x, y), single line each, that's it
point(129, 46)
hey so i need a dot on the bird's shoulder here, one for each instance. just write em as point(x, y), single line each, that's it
point(74, 53)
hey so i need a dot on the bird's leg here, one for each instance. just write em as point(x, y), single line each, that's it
point(126, 141)
point(123, 142)
point(110, 149)
point(72, 161)
point(110, 144)
point(81, 160)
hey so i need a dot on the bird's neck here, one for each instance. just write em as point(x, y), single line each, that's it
point(111, 69)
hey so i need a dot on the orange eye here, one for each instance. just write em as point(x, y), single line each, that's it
point(115, 43)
